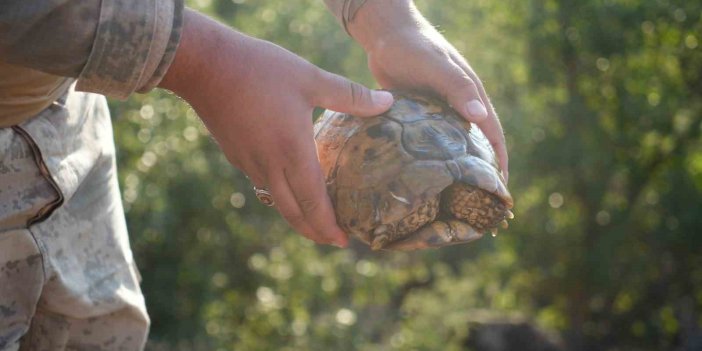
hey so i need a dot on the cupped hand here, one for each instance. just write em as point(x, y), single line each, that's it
point(257, 101)
point(406, 52)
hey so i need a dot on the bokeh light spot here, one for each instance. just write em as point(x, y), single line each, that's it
point(555, 200)
point(238, 200)
point(691, 41)
point(345, 317)
point(602, 64)
point(146, 112)
point(602, 217)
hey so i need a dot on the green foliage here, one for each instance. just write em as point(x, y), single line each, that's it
point(601, 103)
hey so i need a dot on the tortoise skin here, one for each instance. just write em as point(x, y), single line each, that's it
point(416, 176)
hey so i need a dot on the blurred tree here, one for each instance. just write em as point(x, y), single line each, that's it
point(602, 106)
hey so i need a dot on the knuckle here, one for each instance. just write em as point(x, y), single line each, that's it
point(255, 164)
point(295, 219)
point(355, 92)
point(468, 83)
point(477, 82)
point(460, 85)
point(309, 206)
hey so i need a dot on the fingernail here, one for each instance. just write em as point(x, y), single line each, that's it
point(340, 241)
point(477, 110)
point(380, 97)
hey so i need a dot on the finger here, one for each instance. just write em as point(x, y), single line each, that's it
point(286, 204)
point(491, 126)
point(461, 91)
point(502, 156)
point(306, 181)
point(340, 94)
point(492, 129)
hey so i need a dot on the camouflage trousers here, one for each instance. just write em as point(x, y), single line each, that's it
point(67, 276)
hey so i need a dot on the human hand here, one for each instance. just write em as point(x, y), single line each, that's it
point(257, 101)
point(406, 52)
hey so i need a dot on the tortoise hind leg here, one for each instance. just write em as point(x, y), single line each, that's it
point(437, 234)
point(387, 233)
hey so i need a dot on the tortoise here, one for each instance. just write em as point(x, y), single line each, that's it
point(416, 176)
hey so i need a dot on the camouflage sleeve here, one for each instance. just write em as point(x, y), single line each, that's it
point(113, 47)
point(344, 10)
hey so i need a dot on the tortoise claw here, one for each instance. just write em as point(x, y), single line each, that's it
point(379, 242)
point(504, 224)
point(437, 234)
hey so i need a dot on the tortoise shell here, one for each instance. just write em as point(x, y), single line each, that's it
point(416, 176)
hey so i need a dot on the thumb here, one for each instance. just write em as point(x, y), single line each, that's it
point(342, 95)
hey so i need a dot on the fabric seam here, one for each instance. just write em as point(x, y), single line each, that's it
point(46, 211)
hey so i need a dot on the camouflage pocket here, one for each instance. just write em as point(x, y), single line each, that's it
point(28, 193)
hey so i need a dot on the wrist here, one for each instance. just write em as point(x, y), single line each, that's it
point(177, 74)
point(378, 20)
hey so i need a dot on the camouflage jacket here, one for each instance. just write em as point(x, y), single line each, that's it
point(111, 47)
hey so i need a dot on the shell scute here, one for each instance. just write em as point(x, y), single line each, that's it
point(432, 140)
point(409, 178)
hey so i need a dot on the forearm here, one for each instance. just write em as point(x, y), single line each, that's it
point(197, 38)
point(207, 52)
